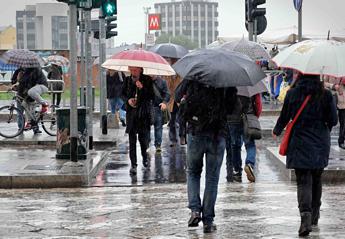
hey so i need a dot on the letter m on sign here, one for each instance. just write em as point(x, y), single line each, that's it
point(154, 21)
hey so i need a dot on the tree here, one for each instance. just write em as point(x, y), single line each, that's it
point(180, 40)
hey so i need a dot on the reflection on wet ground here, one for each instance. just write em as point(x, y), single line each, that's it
point(154, 204)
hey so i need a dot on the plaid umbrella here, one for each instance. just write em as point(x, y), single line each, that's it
point(22, 58)
point(58, 60)
point(7, 67)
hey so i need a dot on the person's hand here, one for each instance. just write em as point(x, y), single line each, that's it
point(274, 135)
point(139, 84)
point(132, 102)
point(163, 106)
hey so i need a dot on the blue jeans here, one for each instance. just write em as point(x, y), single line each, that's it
point(20, 121)
point(115, 104)
point(158, 125)
point(234, 143)
point(213, 148)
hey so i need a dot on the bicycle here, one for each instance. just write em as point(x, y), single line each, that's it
point(12, 119)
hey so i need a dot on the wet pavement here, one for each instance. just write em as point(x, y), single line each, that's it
point(155, 206)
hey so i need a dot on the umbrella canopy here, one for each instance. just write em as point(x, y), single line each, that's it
point(22, 58)
point(318, 57)
point(152, 63)
point(169, 50)
point(253, 50)
point(58, 60)
point(219, 68)
point(249, 91)
point(7, 67)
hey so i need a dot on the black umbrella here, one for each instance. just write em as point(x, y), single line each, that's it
point(169, 50)
point(219, 68)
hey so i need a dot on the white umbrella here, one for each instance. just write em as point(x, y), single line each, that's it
point(318, 57)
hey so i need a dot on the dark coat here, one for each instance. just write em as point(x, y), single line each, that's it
point(31, 77)
point(55, 73)
point(114, 85)
point(163, 94)
point(138, 118)
point(309, 144)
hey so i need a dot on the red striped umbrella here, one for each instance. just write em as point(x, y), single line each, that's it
point(152, 63)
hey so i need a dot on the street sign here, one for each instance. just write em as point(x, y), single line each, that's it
point(297, 4)
point(154, 21)
point(149, 39)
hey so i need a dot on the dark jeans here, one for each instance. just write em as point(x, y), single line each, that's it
point(58, 98)
point(309, 189)
point(144, 137)
point(158, 126)
point(174, 121)
point(341, 115)
point(213, 149)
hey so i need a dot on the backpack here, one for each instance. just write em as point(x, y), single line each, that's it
point(203, 106)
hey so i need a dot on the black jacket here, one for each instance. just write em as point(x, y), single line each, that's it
point(114, 85)
point(138, 118)
point(309, 144)
point(31, 77)
point(161, 86)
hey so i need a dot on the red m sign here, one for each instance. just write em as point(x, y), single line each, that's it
point(154, 21)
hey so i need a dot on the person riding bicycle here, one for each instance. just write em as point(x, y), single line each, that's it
point(32, 85)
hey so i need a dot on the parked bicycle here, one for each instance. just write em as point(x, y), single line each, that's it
point(12, 119)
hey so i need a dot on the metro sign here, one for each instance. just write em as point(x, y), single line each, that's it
point(154, 21)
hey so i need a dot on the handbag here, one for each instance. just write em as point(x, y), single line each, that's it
point(286, 138)
point(251, 126)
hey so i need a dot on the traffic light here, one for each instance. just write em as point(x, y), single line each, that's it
point(252, 10)
point(109, 26)
point(109, 7)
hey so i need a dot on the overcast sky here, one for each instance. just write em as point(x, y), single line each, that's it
point(318, 16)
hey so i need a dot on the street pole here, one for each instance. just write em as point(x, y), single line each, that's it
point(82, 58)
point(250, 31)
point(101, 72)
point(255, 30)
point(88, 68)
point(146, 12)
point(300, 25)
point(73, 73)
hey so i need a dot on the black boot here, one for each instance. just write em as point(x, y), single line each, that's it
point(305, 227)
point(315, 216)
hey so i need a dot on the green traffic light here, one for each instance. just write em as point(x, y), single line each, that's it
point(109, 7)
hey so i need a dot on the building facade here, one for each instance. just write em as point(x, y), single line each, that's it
point(42, 26)
point(196, 19)
point(7, 37)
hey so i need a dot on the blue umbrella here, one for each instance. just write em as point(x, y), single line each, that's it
point(7, 67)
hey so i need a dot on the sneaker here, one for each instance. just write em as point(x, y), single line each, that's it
point(183, 140)
point(237, 177)
point(194, 219)
point(145, 162)
point(208, 228)
point(44, 108)
point(123, 122)
point(27, 126)
point(37, 131)
point(173, 144)
point(133, 171)
point(250, 173)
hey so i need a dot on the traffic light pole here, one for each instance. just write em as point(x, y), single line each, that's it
point(82, 58)
point(102, 76)
point(73, 73)
point(250, 30)
point(255, 30)
point(300, 25)
point(88, 74)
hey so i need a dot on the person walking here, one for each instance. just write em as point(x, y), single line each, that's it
point(338, 89)
point(205, 111)
point(114, 90)
point(236, 137)
point(309, 145)
point(138, 94)
point(176, 122)
point(161, 98)
point(55, 73)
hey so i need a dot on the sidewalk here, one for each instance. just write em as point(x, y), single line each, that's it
point(29, 161)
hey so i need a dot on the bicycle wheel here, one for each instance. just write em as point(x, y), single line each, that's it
point(11, 121)
point(48, 121)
